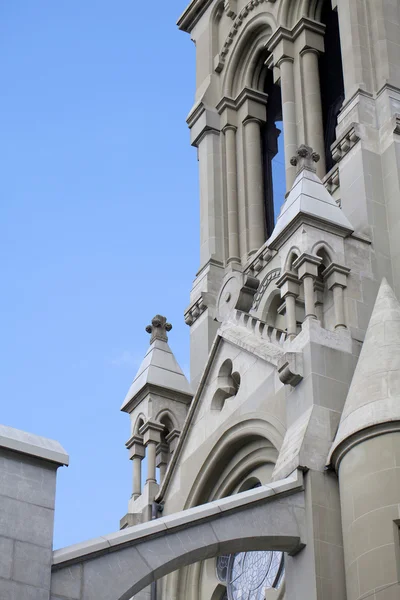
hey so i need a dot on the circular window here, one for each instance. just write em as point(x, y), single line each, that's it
point(248, 574)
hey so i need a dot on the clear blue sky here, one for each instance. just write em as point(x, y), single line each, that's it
point(98, 229)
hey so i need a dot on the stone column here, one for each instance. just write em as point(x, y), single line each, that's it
point(251, 106)
point(281, 47)
point(307, 268)
point(136, 454)
point(309, 43)
point(289, 116)
point(162, 459)
point(313, 106)
point(254, 184)
point(151, 432)
point(290, 287)
point(336, 279)
point(232, 193)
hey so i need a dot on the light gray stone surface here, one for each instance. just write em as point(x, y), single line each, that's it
point(28, 466)
point(374, 394)
point(34, 445)
point(119, 565)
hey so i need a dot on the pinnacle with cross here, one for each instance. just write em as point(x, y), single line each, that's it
point(305, 158)
point(158, 329)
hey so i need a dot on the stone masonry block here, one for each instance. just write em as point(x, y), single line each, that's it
point(6, 557)
point(32, 565)
point(26, 479)
point(26, 522)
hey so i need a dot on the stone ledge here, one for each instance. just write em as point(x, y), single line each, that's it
point(175, 522)
point(32, 445)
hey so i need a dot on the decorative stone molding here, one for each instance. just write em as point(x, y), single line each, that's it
point(305, 158)
point(238, 22)
point(195, 310)
point(265, 332)
point(230, 7)
point(172, 439)
point(135, 446)
point(346, 142)
point(274, 274)
point(247, 293)
point(331, 182)
point(290, 368)
point(158, 329)
point(259, 260)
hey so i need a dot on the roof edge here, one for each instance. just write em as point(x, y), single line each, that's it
point(192, 14)
point(32, 445)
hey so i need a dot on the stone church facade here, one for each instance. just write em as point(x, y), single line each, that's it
point(275, 473)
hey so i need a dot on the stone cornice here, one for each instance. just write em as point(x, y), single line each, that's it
point(192, 14)
point(357, 438)
point(349, 138)
point(195, 310)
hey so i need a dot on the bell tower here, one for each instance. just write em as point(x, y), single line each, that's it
point(273, 75)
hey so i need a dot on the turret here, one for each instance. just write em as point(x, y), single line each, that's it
point(157, 403)
point(366, 456)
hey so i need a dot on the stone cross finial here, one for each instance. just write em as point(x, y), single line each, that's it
point(305, 158)
point(158, 329)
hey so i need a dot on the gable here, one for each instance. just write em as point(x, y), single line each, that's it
point(239, 383)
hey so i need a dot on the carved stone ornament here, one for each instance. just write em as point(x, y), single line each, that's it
point(305, 158)
point(158, 329)
point(290, 368)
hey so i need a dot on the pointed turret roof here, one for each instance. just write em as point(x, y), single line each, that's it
point(308, 198)
point(374, 394)
point(159, 368)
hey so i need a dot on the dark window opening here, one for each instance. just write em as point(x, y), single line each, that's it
point(273, 154)
point(331, 77)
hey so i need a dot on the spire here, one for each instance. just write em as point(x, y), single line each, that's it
point(374, 394)
point(308, 199)
point(159, 369)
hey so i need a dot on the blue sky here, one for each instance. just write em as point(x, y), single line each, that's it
point(99, 225)
point(99, 228)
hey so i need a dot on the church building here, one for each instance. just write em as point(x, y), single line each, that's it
point(274, 473)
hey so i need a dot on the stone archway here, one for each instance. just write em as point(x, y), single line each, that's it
point(119, 565)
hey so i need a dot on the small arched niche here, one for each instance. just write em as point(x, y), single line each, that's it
point(228, 384)
point(323, 297)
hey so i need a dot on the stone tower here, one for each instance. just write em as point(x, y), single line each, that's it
point(281, 305)
point(295, 338)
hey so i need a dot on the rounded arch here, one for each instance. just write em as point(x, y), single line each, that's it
point(244, 432)
point(244, 65)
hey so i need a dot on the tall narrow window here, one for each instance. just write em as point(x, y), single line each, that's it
point(331, 77)
point(273, 154)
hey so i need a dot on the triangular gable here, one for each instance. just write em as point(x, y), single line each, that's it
point(240, 337)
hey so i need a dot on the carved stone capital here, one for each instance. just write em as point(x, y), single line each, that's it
point(290, 368)
point(307, 265)
point(151, 432)
point(136, 447)
point(289, 284)
point(336, 275)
